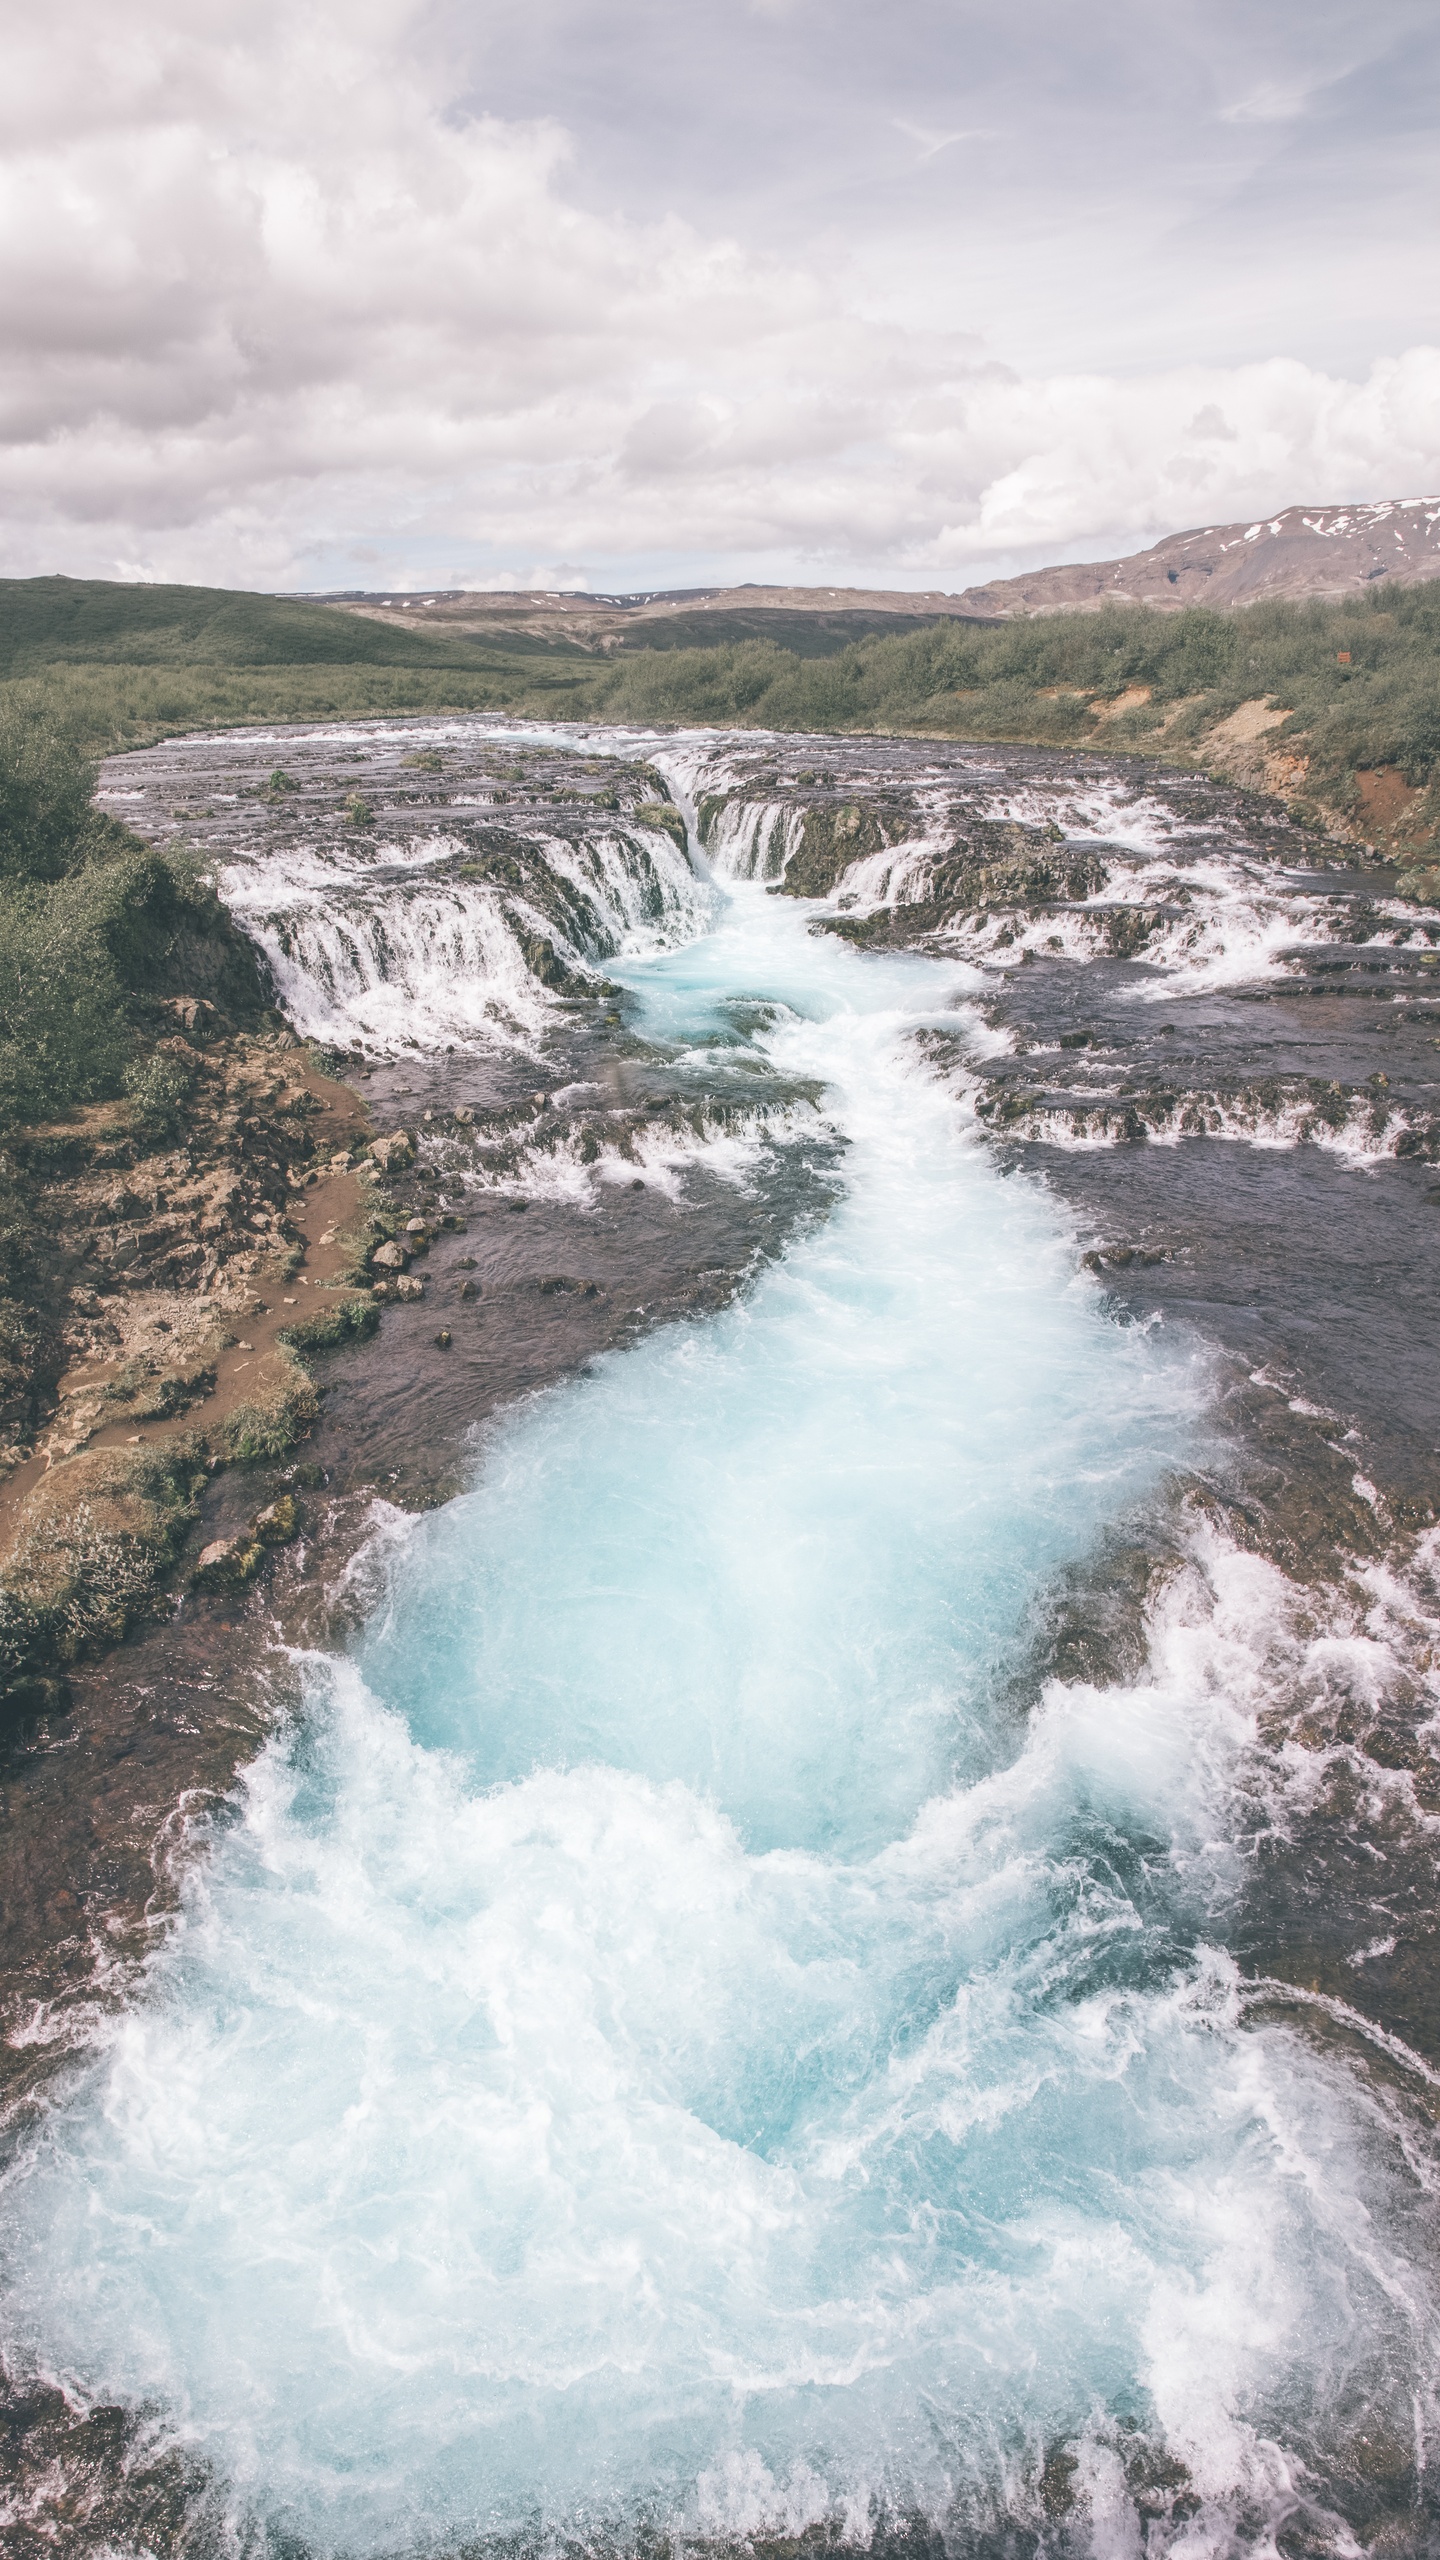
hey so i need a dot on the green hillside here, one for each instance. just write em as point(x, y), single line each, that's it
point(1354, 686)
point(46, 622)
point(110, 665)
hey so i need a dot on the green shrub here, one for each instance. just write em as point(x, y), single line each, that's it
point(342, 1320)
point(46, 792)
point(63, 1033)
point(157, 1087)
point(92, 924)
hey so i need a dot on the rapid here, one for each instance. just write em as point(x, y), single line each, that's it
point(686, 2032)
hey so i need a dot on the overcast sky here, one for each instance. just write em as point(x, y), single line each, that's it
point(314, 293)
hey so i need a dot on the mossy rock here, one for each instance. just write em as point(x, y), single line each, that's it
point(660, 813)
point(97, 1536)
point(831, 839)
point(544, 962)
point(326, 1328)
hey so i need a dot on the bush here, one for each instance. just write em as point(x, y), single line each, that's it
point(46, 795)
point(63, 1034)
point(158, 1087)
point(92, 924)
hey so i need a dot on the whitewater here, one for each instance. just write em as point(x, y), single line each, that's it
point(677, 2035)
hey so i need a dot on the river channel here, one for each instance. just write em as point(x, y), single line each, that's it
point(837, 1942)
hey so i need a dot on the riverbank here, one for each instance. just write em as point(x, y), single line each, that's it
point(1157, 1012)
point(1332, 706)
point(173, 1290)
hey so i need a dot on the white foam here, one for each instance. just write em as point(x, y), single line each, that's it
point(1364, 1136)
point(360, 954)
point(488, 2157)
point(666, 2043)
point(566, 1164)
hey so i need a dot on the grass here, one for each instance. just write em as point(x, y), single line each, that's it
point(107, 666)
point(1361, 677)
point(104, 666)
point(94, 926)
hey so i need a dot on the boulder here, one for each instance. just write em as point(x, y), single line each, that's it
point(393, 1153)
point(389, 1257)
point(226, 1563)
point(278, 1523)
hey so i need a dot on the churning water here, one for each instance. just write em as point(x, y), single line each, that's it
point(671, 2040)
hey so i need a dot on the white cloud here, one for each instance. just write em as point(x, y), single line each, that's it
point(930, 141)
point(271, 303)
point(1274, 102)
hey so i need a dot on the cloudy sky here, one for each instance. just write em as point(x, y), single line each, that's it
point(620, 293)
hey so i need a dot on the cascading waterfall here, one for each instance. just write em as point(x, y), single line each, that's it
point(401, 946)
point(667, 2042)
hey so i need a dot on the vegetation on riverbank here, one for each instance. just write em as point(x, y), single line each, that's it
point(1335, 706)
point(104, 666)
point(157, 1147)
point(1338, 693)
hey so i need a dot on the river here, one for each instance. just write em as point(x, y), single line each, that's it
point(702, 2021)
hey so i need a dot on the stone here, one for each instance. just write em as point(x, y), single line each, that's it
point(278, 1523)
point(226, 1563)
point(408, 1288)
point(394, 1152)
point(390, 1257)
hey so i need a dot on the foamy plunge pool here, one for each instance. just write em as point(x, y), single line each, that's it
point(667, 2044)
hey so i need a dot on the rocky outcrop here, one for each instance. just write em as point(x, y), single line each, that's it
point(151, 1283)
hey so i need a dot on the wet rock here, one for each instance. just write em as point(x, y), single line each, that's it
point(278, 1523)
point(227, 1563)
point(1123, 1257)
point(544, 962)
point(442, 1338)
point(39, 1694)
point(393, 1153)
point(389, 1257)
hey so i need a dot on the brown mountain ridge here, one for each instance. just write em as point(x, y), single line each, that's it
point(1304, 551)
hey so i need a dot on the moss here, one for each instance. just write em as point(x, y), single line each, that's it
point(99, 1535)
point(831, 839)
point(266, 1429)
point(328, 1326)
point(660, 813)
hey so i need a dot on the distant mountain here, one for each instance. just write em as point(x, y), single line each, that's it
point(1304, 551)
point(815, 622)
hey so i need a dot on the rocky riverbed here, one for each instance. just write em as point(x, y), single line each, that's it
point(1209, 1035)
